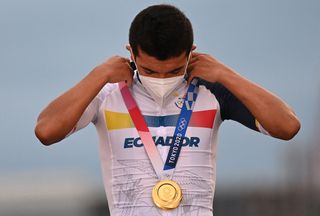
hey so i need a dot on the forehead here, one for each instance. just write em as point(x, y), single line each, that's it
point(150, 62)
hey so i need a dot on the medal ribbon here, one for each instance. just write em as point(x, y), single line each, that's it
point(167, 169)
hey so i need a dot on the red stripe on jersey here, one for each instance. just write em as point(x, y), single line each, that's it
point(203, 118)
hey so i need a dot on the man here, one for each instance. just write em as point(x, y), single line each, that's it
point(183, 97)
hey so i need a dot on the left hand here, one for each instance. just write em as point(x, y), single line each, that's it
point(206, 67)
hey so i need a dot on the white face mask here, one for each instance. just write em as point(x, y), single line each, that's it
point(160, 88)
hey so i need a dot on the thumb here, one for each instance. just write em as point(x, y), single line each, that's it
point(129, 82)
point(190, 78)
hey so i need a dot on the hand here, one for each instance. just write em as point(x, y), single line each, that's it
point(205, 67)
point(117, 69)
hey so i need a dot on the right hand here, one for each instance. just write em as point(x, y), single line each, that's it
point(117, 69)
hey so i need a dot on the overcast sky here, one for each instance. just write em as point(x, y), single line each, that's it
point(48, 46)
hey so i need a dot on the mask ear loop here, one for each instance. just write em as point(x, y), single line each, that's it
point(133, 66)
point(186, 75)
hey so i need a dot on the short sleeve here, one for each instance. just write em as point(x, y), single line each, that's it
point(232, 108)
point(90, 114)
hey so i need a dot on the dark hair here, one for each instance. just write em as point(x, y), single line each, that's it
point(161, 31)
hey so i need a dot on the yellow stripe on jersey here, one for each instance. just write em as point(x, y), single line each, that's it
point(117, 120)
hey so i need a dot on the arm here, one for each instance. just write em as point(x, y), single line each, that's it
point(230, 107)
point(270, 111)
point(62, 114)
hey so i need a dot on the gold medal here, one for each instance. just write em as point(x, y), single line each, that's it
point(166, 194)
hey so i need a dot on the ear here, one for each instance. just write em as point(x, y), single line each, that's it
point(128, 47)
point(194, 46)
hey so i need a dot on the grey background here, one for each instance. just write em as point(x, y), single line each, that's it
point(48, 46)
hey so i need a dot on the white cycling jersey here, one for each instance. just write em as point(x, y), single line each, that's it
point(127, 171)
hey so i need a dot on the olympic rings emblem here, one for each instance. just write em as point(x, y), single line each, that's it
point(182, 124)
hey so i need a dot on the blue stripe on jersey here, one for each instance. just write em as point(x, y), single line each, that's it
point(157, 121)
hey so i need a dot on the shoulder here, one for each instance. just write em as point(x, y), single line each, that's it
point(106, 90)
point(219, 90)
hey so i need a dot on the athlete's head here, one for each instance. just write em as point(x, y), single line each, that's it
point(161, 39)
point(161, 31)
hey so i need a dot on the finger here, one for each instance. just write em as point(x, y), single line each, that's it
point(125, 59)
point(129, 81)
point(192, 74)
point(190, 78)
point(195, 54)
point(129, 78)
point(198, 56)
point(189, 70)
point(191, 66)
point(130, 67)
point(193, 59)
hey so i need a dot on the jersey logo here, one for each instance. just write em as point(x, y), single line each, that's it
point(179, 102)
